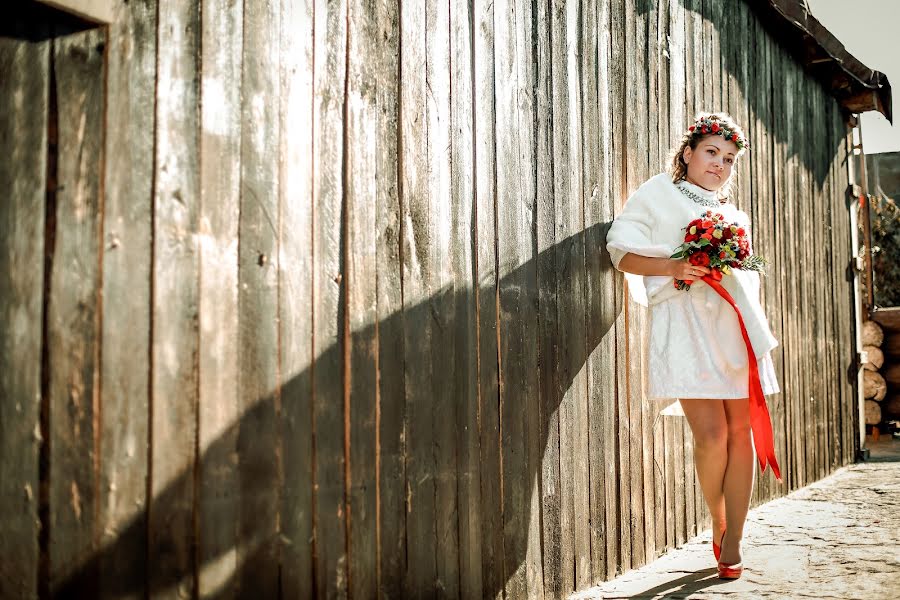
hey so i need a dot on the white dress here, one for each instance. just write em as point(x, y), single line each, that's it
point(695, 346)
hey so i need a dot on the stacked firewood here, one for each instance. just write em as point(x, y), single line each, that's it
point(874, 383)
point(890, 406)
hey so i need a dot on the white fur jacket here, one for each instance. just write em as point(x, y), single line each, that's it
point(651, 224)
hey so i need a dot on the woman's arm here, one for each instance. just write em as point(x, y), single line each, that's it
point(670, 267)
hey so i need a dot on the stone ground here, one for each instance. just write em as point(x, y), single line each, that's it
point(838, 538)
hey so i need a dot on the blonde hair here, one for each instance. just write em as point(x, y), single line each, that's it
point(692, 137)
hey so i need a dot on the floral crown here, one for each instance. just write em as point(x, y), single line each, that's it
point(710, 125)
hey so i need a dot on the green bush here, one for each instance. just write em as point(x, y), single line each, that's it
point(886, 251)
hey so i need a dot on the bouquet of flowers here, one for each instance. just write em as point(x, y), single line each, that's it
point(711, 241)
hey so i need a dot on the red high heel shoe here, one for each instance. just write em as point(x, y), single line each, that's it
point(717, 548)
point(728, 571)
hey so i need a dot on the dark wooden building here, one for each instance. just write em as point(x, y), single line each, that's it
point(310, 299)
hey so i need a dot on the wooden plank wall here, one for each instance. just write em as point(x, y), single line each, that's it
point(312, 298)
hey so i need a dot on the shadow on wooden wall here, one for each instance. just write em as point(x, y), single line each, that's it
point(536, 403)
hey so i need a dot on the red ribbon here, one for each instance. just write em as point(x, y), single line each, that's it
point(760, 422)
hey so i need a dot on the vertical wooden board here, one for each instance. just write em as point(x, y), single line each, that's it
point(671, 503)
point(574, 299)
point(462, 191)
point(419, 276)
point(811, 306)
point(779, 278)
point(830, 281)
point(780, 157)
point(845, 249)
point(566, 83)
point(441, 289)
point(360, 268)
point(296, 300)
point(658, 129)
point(714, 77)
point(683, 477)
point(694, 499)
point(23, 141)
point(707, 73)
point(778, 273)
point(765, 201)
point(636, 156)
point(838, 284)
point(739, 89)
point(599, 300)
point(486, 299)
point(794, 227)
point(549, 476)
point(705, 70)
point(391, 483)
point(329, 302)
point(602, 308)
point(751, 183)
point(802, 230)
point(682, 107)
point(218, 370)
point(835, 199)
point(839, 292)
point(513, 246)
point(173, 401)
point(742, 92)
point(73, 306)
point(804, 328)
point(838, 278)
point(825, 384)
point(818, 359)
point(773, 282)
point(258, 465)
point(814, 277)
point(677, 97)
point(518, 292)
point(618, 56)
point(798, 423)
point(693, 63)
point(127, 241)
point(438, 101)
point(526, 38)
point(791, 293)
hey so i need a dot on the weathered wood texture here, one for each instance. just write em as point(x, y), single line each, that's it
point(24, 97)
point(312, 298)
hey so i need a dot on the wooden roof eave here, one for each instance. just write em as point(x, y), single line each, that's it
point(856, 87)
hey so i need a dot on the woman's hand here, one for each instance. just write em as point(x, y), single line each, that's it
point(685, 271)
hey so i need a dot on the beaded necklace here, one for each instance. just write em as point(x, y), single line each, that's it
point(697, 198)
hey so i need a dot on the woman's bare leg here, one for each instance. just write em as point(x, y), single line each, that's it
point(739, 475)
point(709, 427)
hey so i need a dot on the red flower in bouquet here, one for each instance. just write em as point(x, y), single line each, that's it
point(700, 259)
point(711, 241)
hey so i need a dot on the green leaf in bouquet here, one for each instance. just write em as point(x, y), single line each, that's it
point(754, 263)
